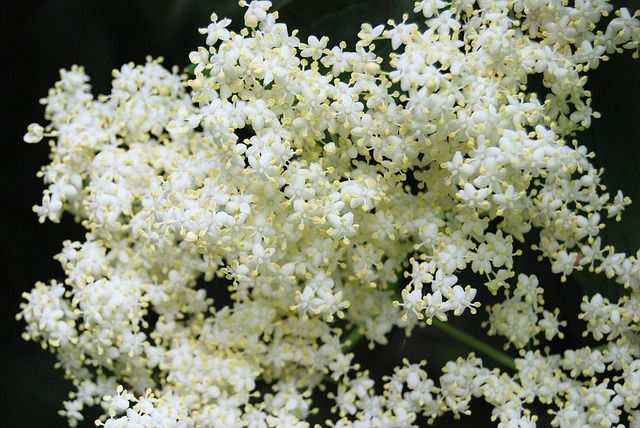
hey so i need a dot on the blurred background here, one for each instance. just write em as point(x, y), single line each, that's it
point(40, 37)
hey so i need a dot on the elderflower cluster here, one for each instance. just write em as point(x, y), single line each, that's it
point(314, 179)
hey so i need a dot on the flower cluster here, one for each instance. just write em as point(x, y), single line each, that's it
point(313, 179)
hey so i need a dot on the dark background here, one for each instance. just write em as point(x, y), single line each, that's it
point(40, 37)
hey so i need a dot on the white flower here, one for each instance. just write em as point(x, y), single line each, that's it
point(216, 30)
point(34, 134)
point(434, 306)
point(429, 7)
point(474, 198)
point(315, 47)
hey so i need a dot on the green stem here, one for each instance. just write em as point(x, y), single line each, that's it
point(477, 344)
point(352, 339)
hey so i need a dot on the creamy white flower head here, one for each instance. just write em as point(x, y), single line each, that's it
point(304, 179)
